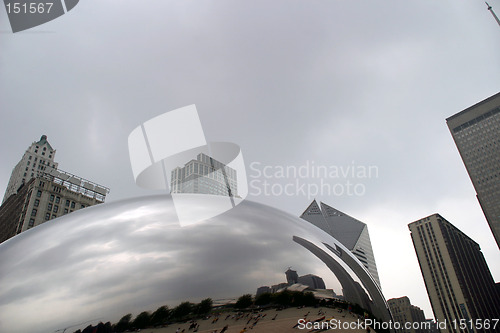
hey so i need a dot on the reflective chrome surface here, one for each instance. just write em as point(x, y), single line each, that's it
point(131, 256)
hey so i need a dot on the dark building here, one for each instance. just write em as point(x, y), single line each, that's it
point(13, 211)
point(291, 276)
point(457, 278)
point(312, 281)
point(476, 132)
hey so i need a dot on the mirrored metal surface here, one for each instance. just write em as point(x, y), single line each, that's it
point(106, 261)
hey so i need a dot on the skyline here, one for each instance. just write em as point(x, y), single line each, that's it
point(328, 82)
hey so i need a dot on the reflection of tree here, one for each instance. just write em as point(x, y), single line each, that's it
point(204, 306)
point(124, 323)
point(244, 301)
point(264, 299)
point(182, 310)
point(142, 320)
point(160, 315)
point(286, 298)
point(191, 311)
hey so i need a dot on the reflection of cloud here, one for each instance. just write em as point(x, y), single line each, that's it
point(112, 259)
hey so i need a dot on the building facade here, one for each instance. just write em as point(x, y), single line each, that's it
point(44, 193)
point(458, 281)
point(204, 175)
point(476, 132)
point(352, 233)
point(406, 314)
point(37, 159)
point(312, 281)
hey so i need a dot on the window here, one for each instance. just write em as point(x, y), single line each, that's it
point(53, 216)
point(56, 208)
point(72, 204)
point(49, 207)
point(31, 223)
point(39, 193)
point(82, 206)
point(33, 212)
point(37, 202)
point(67, 203)
point(58, 199)
point(47, 216)
point(51, 198)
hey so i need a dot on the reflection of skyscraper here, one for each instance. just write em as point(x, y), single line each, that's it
point(291, 276)
point(352, 233)
point(313, 281)
point(457, 278)
point(476, 132)
point(204, 175)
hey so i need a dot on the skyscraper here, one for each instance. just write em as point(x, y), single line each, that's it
point(457, 278)
point(404, 312)
point(352, 233)
point(291, 276)
point(38, 191)
point(476, 132)
point(37, 159)
point(204, 175)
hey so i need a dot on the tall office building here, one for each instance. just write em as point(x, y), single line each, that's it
point(37, 159)
point(38, 191)
point(457, 278)
point(476, 131)
point(291, 276)
point(204, 175)
point(404, 312)
point(352, 233)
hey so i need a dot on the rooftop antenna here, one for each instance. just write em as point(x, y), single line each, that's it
point(493, 13)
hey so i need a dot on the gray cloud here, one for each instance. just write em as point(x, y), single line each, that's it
point(289, 81)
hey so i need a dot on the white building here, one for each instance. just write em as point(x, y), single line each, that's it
point(204, 175)
point(38, 191)
point(38, 158)
point(352, 233)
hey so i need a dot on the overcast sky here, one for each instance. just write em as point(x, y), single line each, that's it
point(294, 83)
